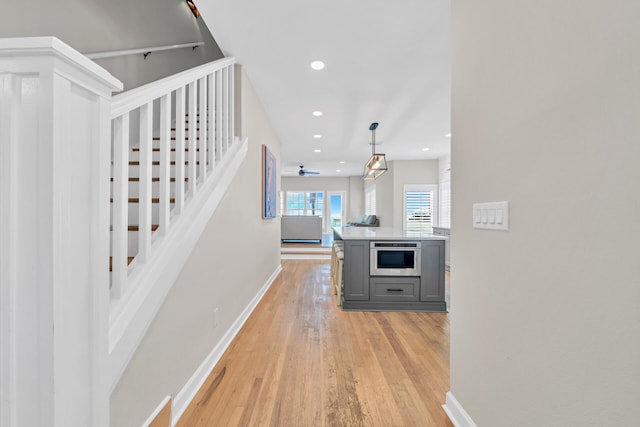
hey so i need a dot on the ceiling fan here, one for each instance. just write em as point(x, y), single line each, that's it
point(303, 172)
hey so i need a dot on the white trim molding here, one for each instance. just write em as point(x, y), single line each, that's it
point(456, 412)
point(191, 388)
point(156, 411)
point(54, 234)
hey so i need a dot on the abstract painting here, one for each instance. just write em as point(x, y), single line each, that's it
point(268, 183)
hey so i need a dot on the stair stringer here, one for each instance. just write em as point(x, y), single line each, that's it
point(149, 284)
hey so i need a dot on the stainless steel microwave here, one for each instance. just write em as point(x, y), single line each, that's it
point(394, 259)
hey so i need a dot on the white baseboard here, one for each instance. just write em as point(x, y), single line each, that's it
point(191, 388)
point(156, 411)
point(456, 412)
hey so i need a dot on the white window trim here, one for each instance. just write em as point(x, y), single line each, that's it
point(444, 200)
point(433, 188)
point(321, 207)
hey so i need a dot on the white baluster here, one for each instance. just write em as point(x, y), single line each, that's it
point(164, 192)
point(202, 133)
point(145, 194)
point(218, 114)
point(179, 145)
point(231, 104)
point(225, 109)
point(193, 133)
point(120, 205)
point(211, 122)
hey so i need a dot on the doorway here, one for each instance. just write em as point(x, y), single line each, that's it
point(335, 208)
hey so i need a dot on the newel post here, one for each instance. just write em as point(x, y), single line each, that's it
point(54, 234)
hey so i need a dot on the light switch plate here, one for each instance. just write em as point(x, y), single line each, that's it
point(491, 216)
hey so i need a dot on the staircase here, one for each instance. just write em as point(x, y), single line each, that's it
point(173, 156)
point(133, 188)
point(104, 198)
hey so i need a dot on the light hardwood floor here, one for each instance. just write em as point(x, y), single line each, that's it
point(301, 361)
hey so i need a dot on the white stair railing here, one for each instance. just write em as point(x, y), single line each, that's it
point(68, 327)
point(173, 156)
point(143, 120)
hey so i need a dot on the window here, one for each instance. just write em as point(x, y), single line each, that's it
point(304, 203)
point(370, 200)
point(420, 207)
point(445, 200)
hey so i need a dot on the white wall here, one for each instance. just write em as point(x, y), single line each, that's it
point(384, 196)
point(233, 259)
point(315, 183)
point(545, 324)
point(97, 25)
point(390, 187)
point(356, 198)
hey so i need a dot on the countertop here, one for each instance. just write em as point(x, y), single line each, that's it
point(383, 233)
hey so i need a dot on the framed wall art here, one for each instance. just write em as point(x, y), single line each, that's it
point(268, 183)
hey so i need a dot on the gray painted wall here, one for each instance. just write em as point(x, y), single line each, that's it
point(546, 317)
point(97, 25)
point(233, 259)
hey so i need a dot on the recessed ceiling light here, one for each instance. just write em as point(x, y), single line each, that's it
point(317, 113)
point(337, 170)
point(317, 65)
point(448, 135)
point(425, 149)
point(316, 136)
point(317, 150)
point(341, 162)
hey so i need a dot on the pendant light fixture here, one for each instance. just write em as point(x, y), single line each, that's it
point(377, 164)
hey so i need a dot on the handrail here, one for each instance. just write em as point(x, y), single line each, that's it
point(134, 98)
point(144, 50)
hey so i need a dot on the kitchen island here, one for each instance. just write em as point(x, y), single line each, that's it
point(386, 269)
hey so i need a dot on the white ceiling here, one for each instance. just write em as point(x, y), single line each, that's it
point(386, 62)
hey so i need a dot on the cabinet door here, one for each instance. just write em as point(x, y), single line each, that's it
point(356, 270)
point(432, 279)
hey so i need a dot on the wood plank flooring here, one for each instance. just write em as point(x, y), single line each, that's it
point(300, 360)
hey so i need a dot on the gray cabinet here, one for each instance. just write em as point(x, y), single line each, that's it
point(356, 271)
point(390, 293)
point(432, 279)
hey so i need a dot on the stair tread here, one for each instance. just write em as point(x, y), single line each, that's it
point(153, 200)
point(157, 150)
point(129, 259)
point(188, 140)
point(157, 163)
point(157, 138)
point(154, 227)
point(156, 179)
